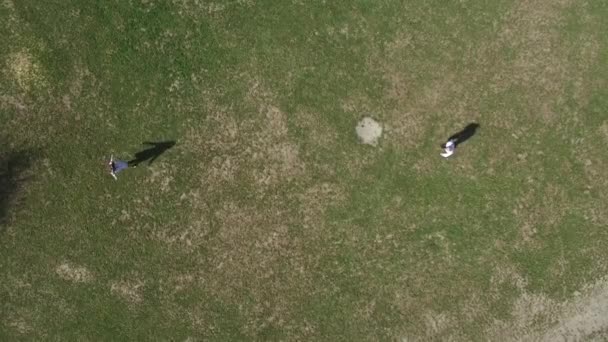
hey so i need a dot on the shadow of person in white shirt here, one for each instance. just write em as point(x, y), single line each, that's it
point(450, 146)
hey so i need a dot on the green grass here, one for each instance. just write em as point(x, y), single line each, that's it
point(269, 220)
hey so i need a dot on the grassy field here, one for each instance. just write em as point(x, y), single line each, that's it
point(269, 220)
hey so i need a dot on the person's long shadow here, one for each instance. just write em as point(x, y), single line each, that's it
point(465, 134)
point(14, 173)
point(151, 153)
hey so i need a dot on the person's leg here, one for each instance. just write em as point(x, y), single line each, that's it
point(447, 153)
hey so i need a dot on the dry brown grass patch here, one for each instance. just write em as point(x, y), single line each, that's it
point(161, 177)
point(13, 21)
point(25, 70)
point(592, 158)
point(604, 130)
point(405, 124)
point(318, 134)
point(194, 232)
point(540, 71)
point(20, 321)
point(255, 253)
point(542, 65)
point(444, 99)
point(435, 324)
point(129, 290)
point(80, 75)
point(314, 202)
point(74, 273)
point(534, 215)
point(256, 150)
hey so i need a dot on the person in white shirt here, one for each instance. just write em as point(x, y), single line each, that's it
point(449, 148)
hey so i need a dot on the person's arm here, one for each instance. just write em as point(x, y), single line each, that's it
point(111, 165)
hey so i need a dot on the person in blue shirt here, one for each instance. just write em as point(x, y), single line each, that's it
point(116, 166)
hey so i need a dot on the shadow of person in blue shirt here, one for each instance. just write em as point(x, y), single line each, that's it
point(14, 174)
point(150, 154)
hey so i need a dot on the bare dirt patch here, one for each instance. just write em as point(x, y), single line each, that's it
point(369, 131)
point(538, 318)
point(585, 316)
point(529, 311)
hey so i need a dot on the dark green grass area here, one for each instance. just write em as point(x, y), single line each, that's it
point(269, 220)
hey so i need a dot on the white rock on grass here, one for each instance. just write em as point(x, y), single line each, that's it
point(369, 131)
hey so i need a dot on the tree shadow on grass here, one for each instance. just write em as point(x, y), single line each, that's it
point(150, 154)
point(13, 176)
